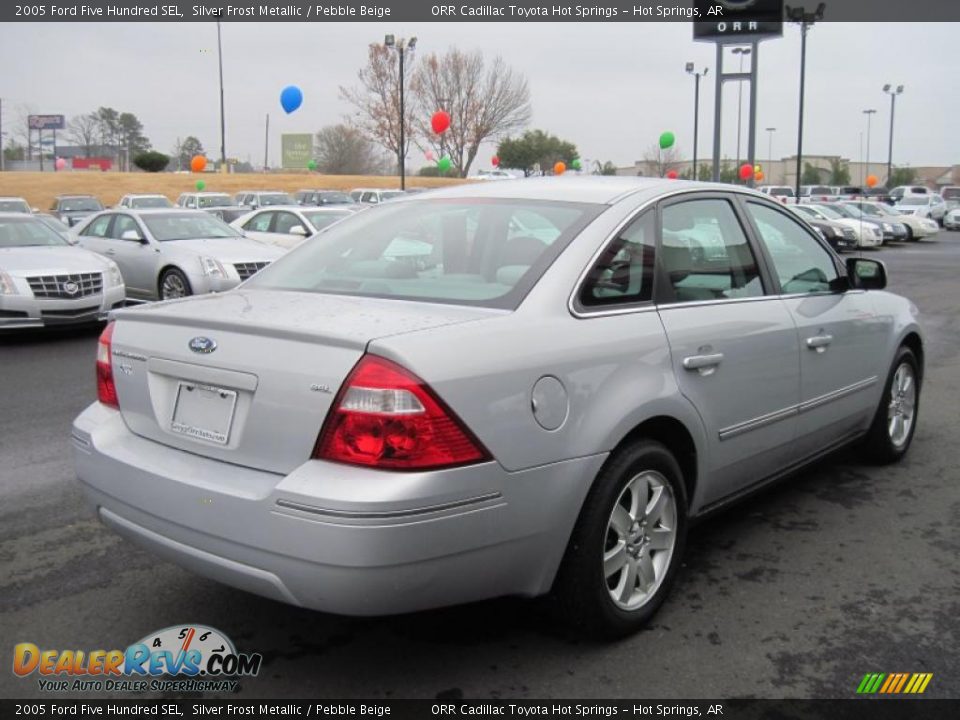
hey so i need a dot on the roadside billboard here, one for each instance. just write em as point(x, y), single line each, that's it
point(296, 150)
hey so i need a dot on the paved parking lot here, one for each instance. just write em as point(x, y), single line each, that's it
point(799, 592)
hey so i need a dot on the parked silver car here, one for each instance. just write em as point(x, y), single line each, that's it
point(45, 281)
point(424, 406)
point(171, 253)
point(138, 201)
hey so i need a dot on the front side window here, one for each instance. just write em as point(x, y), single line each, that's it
point(286, 221)
point(123, 224)
point(704, 253)
point(801, 263)
point(259, 222)
point(98, 227)
point(463, 251)
point(624, 272)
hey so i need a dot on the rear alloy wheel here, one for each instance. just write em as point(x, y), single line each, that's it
point(626, 547)
point(174, 284)
point(895, 421)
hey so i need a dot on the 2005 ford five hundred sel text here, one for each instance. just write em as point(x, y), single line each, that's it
point(520, 388)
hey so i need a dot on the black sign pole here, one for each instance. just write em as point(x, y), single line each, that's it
point(717, 114)
point(40, 146)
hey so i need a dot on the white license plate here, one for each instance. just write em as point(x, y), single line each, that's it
point(204, 412)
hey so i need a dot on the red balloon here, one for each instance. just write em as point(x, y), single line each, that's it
point(746, 171)
point(495, 161)
point(672, 174)
point(440, 121)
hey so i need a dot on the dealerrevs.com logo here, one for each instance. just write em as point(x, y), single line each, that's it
point(181, 658)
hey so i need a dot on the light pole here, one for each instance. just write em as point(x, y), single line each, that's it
point(868, 113)
point(806, 19)
point(696, 111)
point(402, 47)
point(770, 132)
point(223, 126)
point(893, 99)
point(742, 52)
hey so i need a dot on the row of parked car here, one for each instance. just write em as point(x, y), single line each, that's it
point(78, 261)
point(147, 248)
point(909, 199)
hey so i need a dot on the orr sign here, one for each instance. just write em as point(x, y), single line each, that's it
point(738, 20)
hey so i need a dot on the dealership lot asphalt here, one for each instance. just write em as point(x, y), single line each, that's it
point(843, 570)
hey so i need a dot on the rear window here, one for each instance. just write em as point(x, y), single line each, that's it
point(487, 253)
point(950, 193)
point(781, 192)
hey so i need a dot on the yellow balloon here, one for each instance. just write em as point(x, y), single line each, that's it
point(757, 168)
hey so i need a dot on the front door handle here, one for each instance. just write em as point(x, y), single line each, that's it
point(705, 364)
point(819, 342)
point(111, 251)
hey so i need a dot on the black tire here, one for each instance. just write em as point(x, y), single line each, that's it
point(581, 591)
point(879, 446)
point(173, 277)
point(910, 236)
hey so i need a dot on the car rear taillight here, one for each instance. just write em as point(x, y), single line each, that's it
point(386, 417)
point(106, 389)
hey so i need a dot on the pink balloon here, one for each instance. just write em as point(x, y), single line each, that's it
point(61, 163)
point(429, 155)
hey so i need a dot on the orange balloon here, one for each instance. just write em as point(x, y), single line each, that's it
point(872, 181)
point(758, 176)
point(198, 163)
point(560, 168)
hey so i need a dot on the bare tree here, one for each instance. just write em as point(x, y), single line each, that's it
point(484, 101)
point(345, 150)
point(83, 131)
point(376, 100)
point(659, 162)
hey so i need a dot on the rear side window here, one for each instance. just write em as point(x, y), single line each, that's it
point(259, 223)
point(624, 272)
point(99, 227)
point(485, 252)
point(704, 253)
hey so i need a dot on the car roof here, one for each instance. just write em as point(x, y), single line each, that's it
point(157, 211)
point(595, 189)
point(16, 215)
point(75, 195)
point(140, 195)
point(11, 197)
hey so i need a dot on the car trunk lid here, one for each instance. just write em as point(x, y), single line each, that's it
point(248, 376)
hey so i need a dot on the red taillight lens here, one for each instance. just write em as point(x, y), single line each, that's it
point(386, 417)
point(106, 389)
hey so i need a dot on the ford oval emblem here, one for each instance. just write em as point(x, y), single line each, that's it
point(203, 345)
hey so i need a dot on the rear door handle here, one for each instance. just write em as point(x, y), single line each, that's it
point(705, 364)
point(819, 342)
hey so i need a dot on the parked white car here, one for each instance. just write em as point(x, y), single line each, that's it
point(951, 221)
point(930, 206)
point(287, 227)
point(868, 234)
point(46, 281)
point(902, 191)
point(917, 227)
point(143, 200)
point(783, 193)
point(14, 205)
point(375, 196)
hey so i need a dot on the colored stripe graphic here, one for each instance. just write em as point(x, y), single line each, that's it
point(894, 683)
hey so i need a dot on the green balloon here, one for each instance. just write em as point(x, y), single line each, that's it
point(201, 184)
point(666, 140)
point(312, 165)
point(444, 164)
point(576, 164)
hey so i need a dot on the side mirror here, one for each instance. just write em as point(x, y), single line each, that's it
point(298, 230)
point(865, 274)
point(132, 235)
point(34, 210)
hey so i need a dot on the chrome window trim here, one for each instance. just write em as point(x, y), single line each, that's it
point(650, 305)
point(794, 410)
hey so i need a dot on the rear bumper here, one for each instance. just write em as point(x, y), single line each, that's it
point(26, 311)
point(330, 537)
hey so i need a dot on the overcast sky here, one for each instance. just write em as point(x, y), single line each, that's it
point(611, 88)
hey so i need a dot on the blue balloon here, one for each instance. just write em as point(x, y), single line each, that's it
point(291, 98)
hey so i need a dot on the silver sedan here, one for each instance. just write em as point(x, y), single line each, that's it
point(45, 281)
point(173, 253)
point(426, 405)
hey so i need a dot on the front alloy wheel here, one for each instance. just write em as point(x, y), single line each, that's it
point(903, 402)
point(173, 285)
